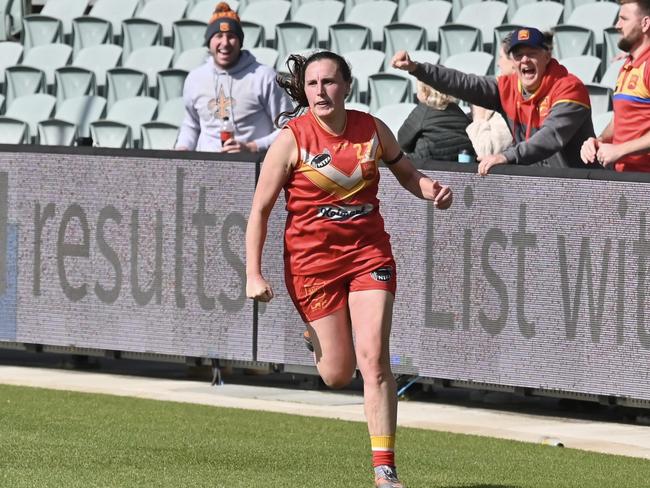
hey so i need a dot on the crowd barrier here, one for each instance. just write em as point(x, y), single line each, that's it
point(533, 281)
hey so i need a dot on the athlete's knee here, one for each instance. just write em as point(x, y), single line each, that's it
point(337, 379)
point(376, 373)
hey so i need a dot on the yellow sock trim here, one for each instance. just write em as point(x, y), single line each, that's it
point(382, 442)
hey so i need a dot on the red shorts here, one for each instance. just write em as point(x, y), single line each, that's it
point(317, 296)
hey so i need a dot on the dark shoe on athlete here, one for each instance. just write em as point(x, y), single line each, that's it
point(386, 477)
point(307, 338)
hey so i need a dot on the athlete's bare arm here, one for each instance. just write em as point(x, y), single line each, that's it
point(410, 178)
point(276, 168)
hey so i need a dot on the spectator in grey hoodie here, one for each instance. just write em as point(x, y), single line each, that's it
point(230, 87)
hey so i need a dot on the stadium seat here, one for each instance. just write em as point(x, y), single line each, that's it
point(265, 55)
point(610, 46)
point(543, 15)
point(600, 97)
point(430, 15)
point(108, 133)
point(41, 29)
point(350, 4)
point(47, 58)
point(601, 121)
point(169, 84)
point(190, 59)
point(158, 135)
point(486, 16)
point(133, 112)
point(457, 7)
point(458, 38)
point(425, 56)
point(164, 12)
point(611, 74)
point(13, 131)
point(345, 37)
point(573, 40)
point(150, 60)
point(203, 10)
point(5, 20)
point(291, 37)
point(374, 15)
point(124, 83)
point(81, 111)
point(584, 67)
point(282, 64)
point(363, 63)
point(55, 132)
point(115, 11)
point(361, 107)
point(500, 32)
point(65, 11)
point(402, 5)
point(17, 11)
point(23, 80)
point(10, 55)
point(32, 109)
point(172, 111)
point(394, 115)
point(138, 33)
point(388, 89)
point(571, 5)
point(595, 16)
point(90, 31)
point(187, 34)
point(421, 56)
point(515, 5)
point(99, 59)
point(398, 36)
point(353, 95)
point(477, 63)
point(73, 81)
point(267, 14)
point(254, 34)
point(320, 14)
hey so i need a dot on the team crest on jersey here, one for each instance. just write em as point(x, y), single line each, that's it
point(382, 274)
point(321, 160)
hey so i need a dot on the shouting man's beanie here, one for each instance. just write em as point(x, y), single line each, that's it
point(224, 19)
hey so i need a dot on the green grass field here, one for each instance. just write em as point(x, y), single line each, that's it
point(61, 439)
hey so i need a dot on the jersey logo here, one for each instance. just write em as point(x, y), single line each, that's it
point(336, 212)
point(321, 160)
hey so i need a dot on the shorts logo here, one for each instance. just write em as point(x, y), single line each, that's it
point(4, 209)
point(321, 160)
point(383, 274)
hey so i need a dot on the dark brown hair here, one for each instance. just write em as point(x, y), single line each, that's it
point(644, 5)
point(294, 82)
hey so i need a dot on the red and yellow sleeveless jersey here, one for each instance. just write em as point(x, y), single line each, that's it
point(333, 211)
point(632, 110)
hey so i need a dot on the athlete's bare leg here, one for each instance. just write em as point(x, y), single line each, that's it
point(333, 348)
point(371, 315)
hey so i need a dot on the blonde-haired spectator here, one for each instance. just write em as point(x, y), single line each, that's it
point(489, 131)
point(435, 129)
